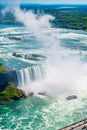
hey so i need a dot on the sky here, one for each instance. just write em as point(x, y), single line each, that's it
point(44, 1)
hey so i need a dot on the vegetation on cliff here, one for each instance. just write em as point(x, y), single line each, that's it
point(2, 68)
point(11, 93)
point(8, 90)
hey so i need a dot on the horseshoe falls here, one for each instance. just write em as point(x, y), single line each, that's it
point(49, 61)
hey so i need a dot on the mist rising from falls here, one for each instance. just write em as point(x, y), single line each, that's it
point(67, 75)
point(26, 77)
point(62, 72)
point(33, 21)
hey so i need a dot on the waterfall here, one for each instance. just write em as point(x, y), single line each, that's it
point(26, 76)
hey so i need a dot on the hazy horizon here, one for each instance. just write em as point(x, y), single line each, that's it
point(41, 4)
point(70, 2)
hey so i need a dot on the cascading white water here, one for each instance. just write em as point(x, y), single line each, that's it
point(65, 72)
point(29, 75)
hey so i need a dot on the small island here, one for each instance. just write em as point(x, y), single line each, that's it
point(9, 91)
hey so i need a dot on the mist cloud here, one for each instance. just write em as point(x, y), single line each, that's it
point(32, 20)
point(64, 74)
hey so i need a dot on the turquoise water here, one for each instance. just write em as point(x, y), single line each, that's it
point(39, 114)
point(55, 59)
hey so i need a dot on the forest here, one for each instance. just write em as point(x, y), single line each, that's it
point(74, 17)
point(71, 18)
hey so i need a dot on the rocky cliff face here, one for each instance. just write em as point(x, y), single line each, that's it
point(7, 76)
point(8, 86)
point(10, 93)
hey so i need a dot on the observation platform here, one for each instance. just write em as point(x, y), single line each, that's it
point(81, 125)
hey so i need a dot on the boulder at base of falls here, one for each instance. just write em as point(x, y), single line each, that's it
point(71, 97)
point(44, 93)
point(10, 93)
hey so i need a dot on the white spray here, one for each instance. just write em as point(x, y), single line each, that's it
point(66, 74)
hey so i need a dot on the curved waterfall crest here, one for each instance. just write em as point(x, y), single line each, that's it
point(28, 75)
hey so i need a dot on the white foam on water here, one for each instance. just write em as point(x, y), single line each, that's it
point(63, 72)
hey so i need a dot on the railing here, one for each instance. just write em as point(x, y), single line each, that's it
point(74, 125)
